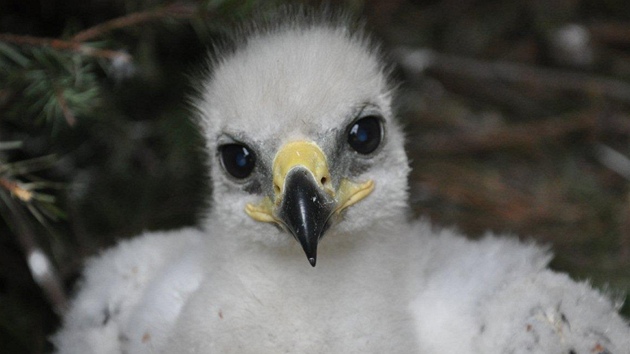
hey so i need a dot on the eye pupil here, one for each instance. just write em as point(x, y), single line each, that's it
point(237, 159)
point(365, 135)
point(362, 135)
point(241, 158)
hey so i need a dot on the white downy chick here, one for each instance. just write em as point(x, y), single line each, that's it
point(306, 157)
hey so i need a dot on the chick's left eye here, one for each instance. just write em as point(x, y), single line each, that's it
point(238, 160)
point(365, 135)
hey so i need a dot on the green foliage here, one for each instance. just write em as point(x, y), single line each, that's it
point(55, 86)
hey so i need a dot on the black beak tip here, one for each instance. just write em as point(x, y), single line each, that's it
point(305, 210)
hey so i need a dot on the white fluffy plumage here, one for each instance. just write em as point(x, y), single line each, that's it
point(382, 284)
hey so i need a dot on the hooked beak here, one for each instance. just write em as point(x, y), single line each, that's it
point(305, 210)
point(304, 199)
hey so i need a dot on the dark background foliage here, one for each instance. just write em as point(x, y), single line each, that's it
point(516, 112)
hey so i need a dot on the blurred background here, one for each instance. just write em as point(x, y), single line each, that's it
point(517, 113)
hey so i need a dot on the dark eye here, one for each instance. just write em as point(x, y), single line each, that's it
point(364, 135)
point(238, 160)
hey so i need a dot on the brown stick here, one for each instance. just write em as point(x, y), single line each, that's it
point(610, 32)
point(176, 10)
point(15, 189)
point(44, 274)
point(64, 45)
point(418, 61)
point(65, 109)
point(522, 135)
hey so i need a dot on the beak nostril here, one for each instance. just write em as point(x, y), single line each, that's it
point(324, 180)
point(276, 189)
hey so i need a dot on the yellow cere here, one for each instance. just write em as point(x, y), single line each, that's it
point(300, 153)
point(308, 155)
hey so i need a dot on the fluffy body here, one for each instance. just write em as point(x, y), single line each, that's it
point(415, 291)
point(382, 283)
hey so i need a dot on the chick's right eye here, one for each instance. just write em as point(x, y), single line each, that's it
point(238, 160)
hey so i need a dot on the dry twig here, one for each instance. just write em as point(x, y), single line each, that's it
point(615, 33)
point(425, 60)
point(58, 44)
point(176, 10)
point(39, 264)
point(16, 190)
point(525, 135)
point(65, 109)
